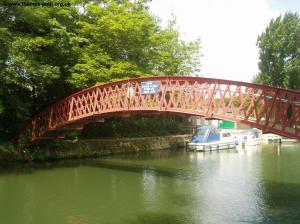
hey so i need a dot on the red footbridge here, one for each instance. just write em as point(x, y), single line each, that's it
point(270, 109)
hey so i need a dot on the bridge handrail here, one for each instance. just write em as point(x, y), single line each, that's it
point(189, 79)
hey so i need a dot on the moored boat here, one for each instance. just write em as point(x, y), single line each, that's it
point(268, 138)
point(249, 137)
point(208, 137)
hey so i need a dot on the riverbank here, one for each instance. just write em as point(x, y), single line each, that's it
point(84, 148)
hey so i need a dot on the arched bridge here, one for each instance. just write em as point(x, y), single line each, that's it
point(268, 108)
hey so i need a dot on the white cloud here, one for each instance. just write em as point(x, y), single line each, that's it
point(228, 30)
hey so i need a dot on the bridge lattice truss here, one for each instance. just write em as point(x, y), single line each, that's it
point(270, 109)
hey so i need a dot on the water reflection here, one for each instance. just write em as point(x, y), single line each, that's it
point(149, 187)
point(246, 185)
point(229, 189)
point(281, 176)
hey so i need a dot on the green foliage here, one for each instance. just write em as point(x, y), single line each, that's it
point(135, 127)
point(37, 154)
point(6, 147)
point(37, 50)
point(72, 135)
point(124, 41)
point(280, 52)
point(46, 53)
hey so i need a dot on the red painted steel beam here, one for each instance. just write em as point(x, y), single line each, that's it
point(268, 108)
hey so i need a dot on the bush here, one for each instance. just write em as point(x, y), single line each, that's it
point(135, 127)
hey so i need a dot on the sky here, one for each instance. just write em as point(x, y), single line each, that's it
point(228, 30)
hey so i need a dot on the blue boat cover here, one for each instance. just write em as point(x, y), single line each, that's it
point(206, 133)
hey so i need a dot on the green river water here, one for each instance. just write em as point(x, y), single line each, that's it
point(253, 185)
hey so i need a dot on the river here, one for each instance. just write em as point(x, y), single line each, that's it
point(253, 185)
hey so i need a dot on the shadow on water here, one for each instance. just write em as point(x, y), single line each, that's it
point(123, 163)
point(30, 168)
point(125, 166)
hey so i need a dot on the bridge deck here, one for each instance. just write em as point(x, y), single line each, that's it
point(267, 108)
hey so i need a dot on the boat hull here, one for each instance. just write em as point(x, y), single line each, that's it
point(210, 146)
point(253, 142)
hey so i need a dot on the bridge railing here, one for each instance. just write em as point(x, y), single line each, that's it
point(268, 108)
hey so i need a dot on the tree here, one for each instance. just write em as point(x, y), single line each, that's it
point(280, 52)
point(37, 49)
point(124, 41)
point(46, 53)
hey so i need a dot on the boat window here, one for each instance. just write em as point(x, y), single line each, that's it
point(255, 133)
point(214, 131)
point(214, 135)
point(226, 134)
point(200, 131)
